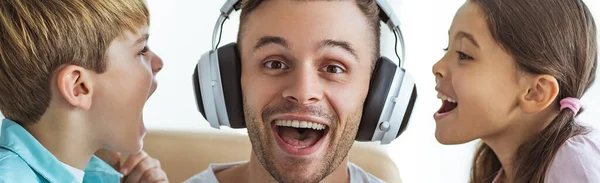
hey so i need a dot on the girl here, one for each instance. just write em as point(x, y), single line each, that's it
point(512, 76)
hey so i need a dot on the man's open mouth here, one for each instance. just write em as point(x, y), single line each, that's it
point(299, 137)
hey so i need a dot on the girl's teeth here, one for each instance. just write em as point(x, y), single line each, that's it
point(446, 98)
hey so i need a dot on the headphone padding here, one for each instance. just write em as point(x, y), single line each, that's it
point(198, 92)
point(381, 81)
point(230, 67)
point(409, 109)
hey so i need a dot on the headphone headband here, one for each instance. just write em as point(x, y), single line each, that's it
point(386, 14)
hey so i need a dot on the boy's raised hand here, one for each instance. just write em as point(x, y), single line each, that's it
point(137, 168)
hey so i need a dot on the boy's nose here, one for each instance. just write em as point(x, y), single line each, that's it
point(157, 64)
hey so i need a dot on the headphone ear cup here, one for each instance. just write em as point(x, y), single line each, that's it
point(379, 88)
point(226, 108)
point(198, 92)
point(230, 69)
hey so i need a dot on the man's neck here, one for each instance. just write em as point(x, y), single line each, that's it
point(67, 138)
point(253, 171)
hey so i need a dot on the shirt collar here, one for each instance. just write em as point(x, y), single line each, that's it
point(18, 140)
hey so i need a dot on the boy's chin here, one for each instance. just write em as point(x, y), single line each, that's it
point(132, 148)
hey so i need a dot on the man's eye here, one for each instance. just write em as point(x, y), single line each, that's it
point(333, 69)
point(274, 64)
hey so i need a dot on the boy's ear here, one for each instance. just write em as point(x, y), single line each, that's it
point(76, 86)
point(540, 92)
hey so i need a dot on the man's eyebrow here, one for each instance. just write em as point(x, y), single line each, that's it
point(267, 40)
point(142, 39)
point(339, 44)
point(463, 34)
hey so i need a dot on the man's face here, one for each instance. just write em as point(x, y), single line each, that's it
point(305, 75)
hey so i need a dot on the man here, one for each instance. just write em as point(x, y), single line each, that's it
point(306, 67)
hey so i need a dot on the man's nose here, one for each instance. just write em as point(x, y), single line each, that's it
point(304, 87)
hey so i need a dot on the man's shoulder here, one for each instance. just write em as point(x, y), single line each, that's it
point(209, 175)
point(15, 169)
point(358, 175)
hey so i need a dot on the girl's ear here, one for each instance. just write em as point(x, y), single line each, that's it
point(539, 92)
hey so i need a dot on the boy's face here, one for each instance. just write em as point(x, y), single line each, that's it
point(304, 62)
point(480, 76)
point(121, 92)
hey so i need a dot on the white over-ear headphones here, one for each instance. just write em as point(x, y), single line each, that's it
point(387, 109)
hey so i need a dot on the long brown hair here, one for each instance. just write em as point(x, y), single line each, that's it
point(555, 37)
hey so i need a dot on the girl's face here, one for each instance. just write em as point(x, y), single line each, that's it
point(477, 81)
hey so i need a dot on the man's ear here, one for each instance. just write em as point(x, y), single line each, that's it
point(540, 91)
point(76, 86)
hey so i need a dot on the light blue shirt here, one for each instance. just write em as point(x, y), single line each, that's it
point(24, 159)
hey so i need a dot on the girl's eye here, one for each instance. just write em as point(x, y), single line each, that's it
point(463, 56)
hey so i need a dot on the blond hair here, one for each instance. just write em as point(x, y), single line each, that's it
point(39, 36)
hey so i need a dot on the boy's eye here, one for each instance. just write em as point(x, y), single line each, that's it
point(144, 50)
point(274, 64)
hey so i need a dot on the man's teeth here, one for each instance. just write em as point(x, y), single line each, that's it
point(446, 98)
point(300, 124)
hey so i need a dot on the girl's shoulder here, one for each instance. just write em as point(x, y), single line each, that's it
point(582, 144)
point(577, 160)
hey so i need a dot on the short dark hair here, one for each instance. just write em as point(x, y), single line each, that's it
point(368, 7)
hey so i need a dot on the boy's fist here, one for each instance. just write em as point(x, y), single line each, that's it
point(137, 168)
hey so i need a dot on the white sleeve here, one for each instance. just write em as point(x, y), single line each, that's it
point(358, 175)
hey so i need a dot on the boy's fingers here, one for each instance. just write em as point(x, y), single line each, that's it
point(161, 181)
point(139, 170)
point(132, 162)
point(110, 157)
point(154, 175)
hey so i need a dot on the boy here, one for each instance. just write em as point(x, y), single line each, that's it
point(74, 78)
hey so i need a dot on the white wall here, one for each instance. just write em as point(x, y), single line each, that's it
point(181, 32)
